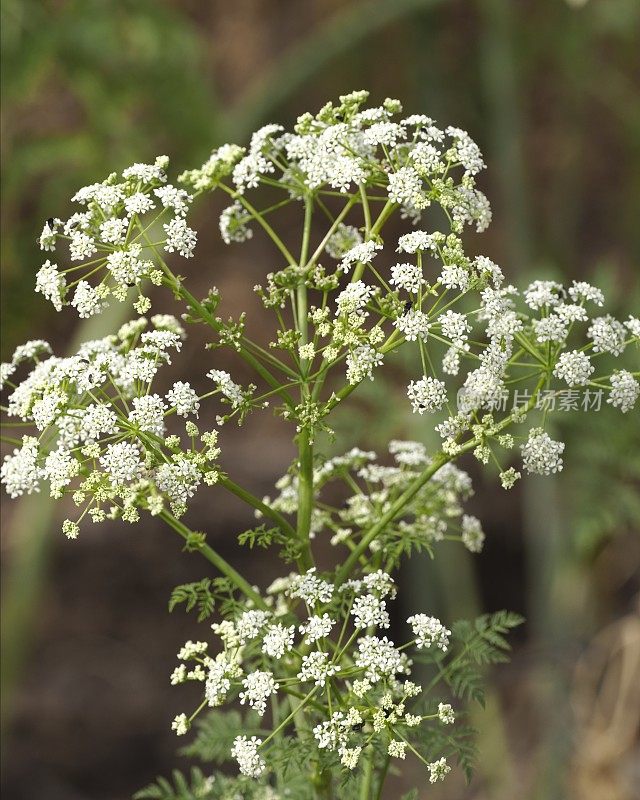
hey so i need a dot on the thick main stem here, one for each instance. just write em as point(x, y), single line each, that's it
point(367, 776)
point(305, 497)
point(305, 447)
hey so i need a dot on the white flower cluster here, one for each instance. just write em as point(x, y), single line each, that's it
point(366, 674)
point(105, 427)
point(101, 432)
point(432, 512)
point(429, 631)
point(427, 394)
point(541, 454)
point(625, 390)
point(110, 234)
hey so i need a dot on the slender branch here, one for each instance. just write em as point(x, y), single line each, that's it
point(252, 500)
point(439, 460)
point(243, 352)
point(262, 222)
point(214, 558)
point(334, 226)
point(213, 323)
point(394, 510)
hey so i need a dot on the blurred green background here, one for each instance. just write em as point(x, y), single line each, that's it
point(549, 88)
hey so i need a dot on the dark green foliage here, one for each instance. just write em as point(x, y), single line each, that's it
point(457, 741)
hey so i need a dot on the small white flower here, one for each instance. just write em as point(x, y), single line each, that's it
point(581, 292)
point(180, 237)
point(250, 624)
point(574, 368)
point(608, 335)
point(624, 391)
point(310, 588)
point(87, 300)
point(245, 751)
point(316, 667)
point(316, 628)
point(349, 756)
point(429, 631)
point(258, 687)
point(122, 462)
point(20, 472)
point(542, 293)
point(407, 277)
point(184, 399)
point(418, 240)
point(218, 682)
point(397, 749)
point(369, 611)
point(180, 725)
point(361, 253)
point(439, 770)
point(278, 640)
point(405, 187)
point(427, 394)
point(51, 284)
point(454, 276)
point(553, 328)
point(472, 533)
point(113, 231)
point(361, 363)
point(446, 714)
point(81, 246)
point(233, 224)
point(413, 325)
point(541, 454)
point(148, 413)
point(379, 658)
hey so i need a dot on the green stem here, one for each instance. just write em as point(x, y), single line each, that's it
point(291, 716)
point(439, 460)
point(386, 212)
point(252, 500)
point(305, 497)
point(305, 448)
point(213, 323)
point(367, 775)
point(215, 559)
point(334, 226)
point(243, 352)
point(396, 508)
point(262, 222)
point(383, 776)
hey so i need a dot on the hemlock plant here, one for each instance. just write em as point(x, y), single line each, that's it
point(320, 702)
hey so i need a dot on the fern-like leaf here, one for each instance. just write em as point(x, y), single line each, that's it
point(196, 787)
point(216, 731)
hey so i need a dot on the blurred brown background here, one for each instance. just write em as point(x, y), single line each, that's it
point(549, 88)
